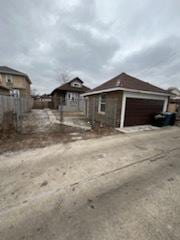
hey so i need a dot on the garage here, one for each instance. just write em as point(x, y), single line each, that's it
point(127, 101)
point(141, 111)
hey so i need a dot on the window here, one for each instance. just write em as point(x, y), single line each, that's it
point(73, 96)
point(76, 84)
point(9, 80)
point(15, 92)
point(102, 104)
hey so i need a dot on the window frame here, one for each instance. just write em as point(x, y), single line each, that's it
point(76, 84)
point(9, 77)
point(15, 92)
point(102, 102)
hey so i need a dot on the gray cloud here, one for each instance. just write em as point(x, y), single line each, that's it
point(159, 63)
point(93, 39)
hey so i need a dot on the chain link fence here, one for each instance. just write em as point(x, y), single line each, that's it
point(70, 106)
point(12, 110)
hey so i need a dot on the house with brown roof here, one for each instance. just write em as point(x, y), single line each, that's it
point(17, 82)
point(125, 101)
point(69, 94)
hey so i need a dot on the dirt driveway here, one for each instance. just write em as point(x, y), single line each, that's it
point(116, 187)
point(42, 128)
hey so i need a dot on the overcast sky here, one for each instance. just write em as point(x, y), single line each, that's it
point(92, 39)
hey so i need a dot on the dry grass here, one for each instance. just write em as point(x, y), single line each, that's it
point(13, 141)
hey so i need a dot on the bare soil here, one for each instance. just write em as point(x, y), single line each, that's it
point(38, 132)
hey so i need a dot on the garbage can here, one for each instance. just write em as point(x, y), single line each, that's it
point(169, 118)
point(173, 119)
point(158, 120)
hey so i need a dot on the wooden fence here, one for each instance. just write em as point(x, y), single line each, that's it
point(12, 110)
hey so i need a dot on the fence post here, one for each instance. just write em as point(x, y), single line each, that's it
point(21, 112)
point(61, 110)
point(93, 111)
point(18, 113)
point(78, 104)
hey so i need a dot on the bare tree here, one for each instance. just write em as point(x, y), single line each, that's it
point(34, 92)
point(64, 76)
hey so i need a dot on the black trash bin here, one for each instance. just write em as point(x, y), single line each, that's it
point(169, 119)
point(164, 119)
point(173, 119)
point(158, 120)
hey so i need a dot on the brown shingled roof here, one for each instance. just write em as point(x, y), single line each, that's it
point(67, 87)
point(128, 82)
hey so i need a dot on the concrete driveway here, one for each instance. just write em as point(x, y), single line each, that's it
point(117, 187)
point(72, 119)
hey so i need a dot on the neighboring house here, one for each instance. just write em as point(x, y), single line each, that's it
point(42, 98)
point(4, 91)
point(17, 82)
point(43, 101)
point(69, 94)
point(174, 104)
point(125, 101)
point(175, 94)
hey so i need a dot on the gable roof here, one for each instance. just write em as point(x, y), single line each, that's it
point(174, 91)
point(67, 87)
point(127, 82)
point(76, 79)
point(8, 70)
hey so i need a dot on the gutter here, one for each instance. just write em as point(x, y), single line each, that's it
point(124, 89)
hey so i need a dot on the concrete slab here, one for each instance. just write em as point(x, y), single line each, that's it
point(74, 134)
point(52, 117)
point(135, 129)
point(76, 120)
point(76, 138)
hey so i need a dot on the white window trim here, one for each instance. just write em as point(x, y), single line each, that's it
point(99, 105)
point(76, 84)
point(8, 76)
point(15, 92)
point(72, 95)
point(140, 96)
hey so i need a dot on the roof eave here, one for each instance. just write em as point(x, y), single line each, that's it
point(124, 89)
point(74, 79)
point(17, 74)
